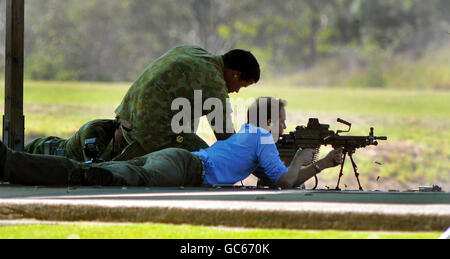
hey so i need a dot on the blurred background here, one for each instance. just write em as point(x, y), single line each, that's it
point(376, 43)
point(380, 63)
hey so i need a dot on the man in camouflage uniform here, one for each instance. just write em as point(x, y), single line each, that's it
point(145, 113)
point(103, 131)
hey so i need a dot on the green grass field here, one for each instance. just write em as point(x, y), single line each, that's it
point(167, 231)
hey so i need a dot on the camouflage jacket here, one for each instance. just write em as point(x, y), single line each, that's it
point(180, 71)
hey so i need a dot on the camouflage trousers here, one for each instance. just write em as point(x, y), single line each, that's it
point(190, 142)
point(165, 168)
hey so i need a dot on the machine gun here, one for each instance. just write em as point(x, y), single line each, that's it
point(315, 135)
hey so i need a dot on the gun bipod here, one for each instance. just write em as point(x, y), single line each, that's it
point(355, 169)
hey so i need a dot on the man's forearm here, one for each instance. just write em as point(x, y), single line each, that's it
point(306, 172)
point(297, 174)
point(289, 179)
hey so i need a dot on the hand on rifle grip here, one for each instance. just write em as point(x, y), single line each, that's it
point(339, 156)
point(335, 157)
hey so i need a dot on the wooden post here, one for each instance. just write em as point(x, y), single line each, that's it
point(13, 120)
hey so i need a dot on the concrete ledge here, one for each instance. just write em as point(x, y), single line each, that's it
point(261, 214)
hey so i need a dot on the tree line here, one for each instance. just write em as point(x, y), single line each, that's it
point(114, 40)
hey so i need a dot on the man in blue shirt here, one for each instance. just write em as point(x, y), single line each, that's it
point(233, 160)
point(226, 162)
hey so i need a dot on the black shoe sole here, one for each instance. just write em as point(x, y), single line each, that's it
point(99, 176)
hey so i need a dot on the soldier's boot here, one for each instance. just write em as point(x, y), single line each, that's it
point(31, 169)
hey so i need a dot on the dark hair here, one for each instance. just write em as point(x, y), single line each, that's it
point(244, 62)
point(258, 104)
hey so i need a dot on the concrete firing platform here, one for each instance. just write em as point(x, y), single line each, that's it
point(220, 193)
point(295, 209)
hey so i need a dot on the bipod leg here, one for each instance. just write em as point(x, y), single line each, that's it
point(340, 172)
point(355, 169)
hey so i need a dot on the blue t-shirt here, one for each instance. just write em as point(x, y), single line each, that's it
point(234, 159)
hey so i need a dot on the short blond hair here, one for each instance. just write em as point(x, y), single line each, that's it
point(256, 105)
